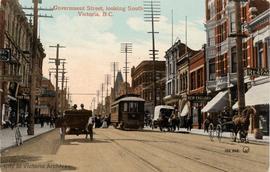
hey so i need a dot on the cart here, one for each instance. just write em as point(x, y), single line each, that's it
point(74, 122)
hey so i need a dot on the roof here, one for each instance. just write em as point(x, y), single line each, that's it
point(135, 99)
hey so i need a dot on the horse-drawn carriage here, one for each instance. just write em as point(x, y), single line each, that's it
point(162, 114)
point(236, 124)
point(75, 122)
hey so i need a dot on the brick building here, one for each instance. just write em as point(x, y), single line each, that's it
point(142, 82)
point(221, 59)
point(46, 101)
point(197, 95)
point(16, 36)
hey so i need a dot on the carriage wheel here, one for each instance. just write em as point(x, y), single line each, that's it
point(219, 132)
point(211, 131)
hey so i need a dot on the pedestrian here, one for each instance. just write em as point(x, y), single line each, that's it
point(41, 120)
point(82, 106)
point(51, 121)
point(89, 127)
point(74, 107)
point(104, 123)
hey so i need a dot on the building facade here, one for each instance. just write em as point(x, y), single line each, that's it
point(142, 82)
point(46, 100)
point(172, 79)
point(197, 95)
point(16, 37)
point(221, 58)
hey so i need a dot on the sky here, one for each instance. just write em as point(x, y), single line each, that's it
point(92, 43)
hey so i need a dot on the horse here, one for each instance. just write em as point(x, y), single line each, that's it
point(241, 122)
point(163, 122)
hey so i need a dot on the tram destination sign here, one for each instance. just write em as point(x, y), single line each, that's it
point(5, 54)
point(257, 72)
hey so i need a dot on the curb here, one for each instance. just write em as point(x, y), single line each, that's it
point(37, 135)
point(250, 141)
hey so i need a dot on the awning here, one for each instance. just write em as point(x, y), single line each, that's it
point(185, 110)
point(257, 95)
point(217, 104)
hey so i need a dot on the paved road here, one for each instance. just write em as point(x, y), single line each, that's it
point(133, 151)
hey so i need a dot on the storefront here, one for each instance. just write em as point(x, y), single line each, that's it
point(258, 97)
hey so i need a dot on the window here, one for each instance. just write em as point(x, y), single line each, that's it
point(133, 107)
point(125, 107)
point(222, 66)
point(212, 69)
point(211, 37)
point(260, 54)
point(234, 60)
point(232, 22)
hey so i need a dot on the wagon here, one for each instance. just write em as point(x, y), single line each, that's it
point(73, 122)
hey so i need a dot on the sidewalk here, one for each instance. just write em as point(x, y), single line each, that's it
point(224, 134)
point(8, 135)
point(228, 135)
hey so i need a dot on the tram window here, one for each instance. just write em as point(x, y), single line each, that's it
point(133, 107)
point(125, 107)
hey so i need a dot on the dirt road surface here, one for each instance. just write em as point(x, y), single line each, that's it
point(135, 151)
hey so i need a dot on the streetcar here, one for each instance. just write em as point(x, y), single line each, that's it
point(127, 112)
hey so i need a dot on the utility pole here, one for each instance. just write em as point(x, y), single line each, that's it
point(126, 48)
point(30, 130)
point(102, 88)
point(114, 68)
point(57, 63)
point(66, 93)
point(98, 100)
point(62, 87)
point(108, 82)
point(152, 15)
point(240, 70)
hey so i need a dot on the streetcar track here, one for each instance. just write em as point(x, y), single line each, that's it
point(201, 148)
point(167, 150)
point(205, 149)
point(148, 163)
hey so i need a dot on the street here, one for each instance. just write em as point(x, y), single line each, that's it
point(134, 151)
